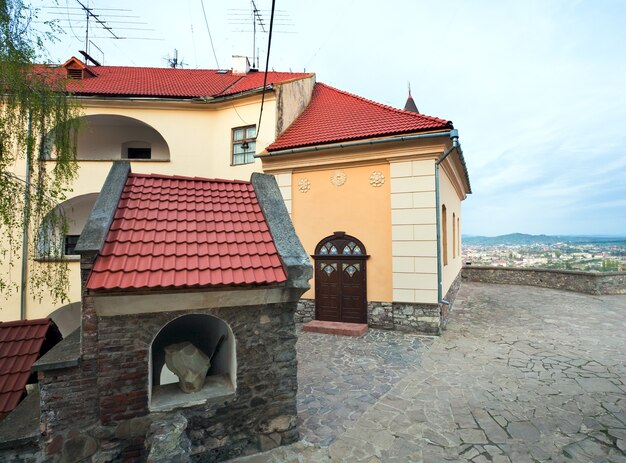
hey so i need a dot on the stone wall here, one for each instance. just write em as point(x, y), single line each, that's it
point(260, 415)
point(582, 282)
point(401, 316)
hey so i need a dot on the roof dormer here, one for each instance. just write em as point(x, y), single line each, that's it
point(77, 70)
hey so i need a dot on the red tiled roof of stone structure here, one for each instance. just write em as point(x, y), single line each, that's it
point(334, 116)
point(184, 232)
point(20, 346)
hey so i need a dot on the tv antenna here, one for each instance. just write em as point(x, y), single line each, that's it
point(100, 19)
point(174, 62)
point(89, 14)
point(244, 16)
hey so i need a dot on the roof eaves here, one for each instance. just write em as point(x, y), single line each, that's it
point(356, 141)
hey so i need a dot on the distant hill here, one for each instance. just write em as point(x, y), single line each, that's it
point(521, 239)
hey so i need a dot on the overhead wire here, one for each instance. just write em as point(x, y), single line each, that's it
point(209, 31)
point(267, 65)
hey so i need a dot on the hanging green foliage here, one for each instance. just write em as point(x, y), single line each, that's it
point(38, 124)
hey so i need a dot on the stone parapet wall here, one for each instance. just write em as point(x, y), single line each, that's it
point(582, 282)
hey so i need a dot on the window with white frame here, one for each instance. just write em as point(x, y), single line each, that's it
point(244, 145)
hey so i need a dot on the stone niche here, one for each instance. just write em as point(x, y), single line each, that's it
point(204, 332)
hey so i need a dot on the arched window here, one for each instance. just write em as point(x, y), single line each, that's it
point(453, 235)
point(444, 234)
point(215, 341)
point(458, 235)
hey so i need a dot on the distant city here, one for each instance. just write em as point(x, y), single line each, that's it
point(585, 253)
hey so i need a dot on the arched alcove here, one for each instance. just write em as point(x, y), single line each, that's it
point(112, 137)
point(67, 318)
point(204, 332)
point(53, 240)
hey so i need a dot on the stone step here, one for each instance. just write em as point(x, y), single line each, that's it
point(341, 329)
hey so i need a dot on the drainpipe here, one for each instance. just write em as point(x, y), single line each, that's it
point(26, 218)
point(454, 135)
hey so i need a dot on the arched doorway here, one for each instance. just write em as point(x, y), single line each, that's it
point(340, 279)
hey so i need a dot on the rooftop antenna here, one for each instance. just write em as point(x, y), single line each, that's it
point(256, 18)
point(89, 14)
point(174, 62)
point(243, 16)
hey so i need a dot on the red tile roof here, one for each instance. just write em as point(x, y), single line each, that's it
point(168, 82)
point(334, 116)
point(20, 346)
point(183, 232)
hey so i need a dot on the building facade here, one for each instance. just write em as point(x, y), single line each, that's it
point(384, 184)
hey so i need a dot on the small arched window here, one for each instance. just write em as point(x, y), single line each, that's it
point(453, 235)
point(444, 234)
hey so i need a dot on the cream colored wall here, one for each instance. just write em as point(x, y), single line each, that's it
point(413, 216)
point(292, 98)
point(357, 208)
point(449, 197)
point(199, 140)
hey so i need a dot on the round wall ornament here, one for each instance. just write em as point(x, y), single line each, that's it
point(304, 185)
point(377, 178)
point(338, 178)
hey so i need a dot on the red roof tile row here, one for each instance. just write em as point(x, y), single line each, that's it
point(333, 116)
point(167, 82)
point(173, 232)
point(20, 345)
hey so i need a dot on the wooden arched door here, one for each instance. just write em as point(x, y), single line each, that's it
point(340, 279)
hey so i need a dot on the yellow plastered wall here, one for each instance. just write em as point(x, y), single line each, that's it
point(358, 208)
point(199, 141)
point(449, 197)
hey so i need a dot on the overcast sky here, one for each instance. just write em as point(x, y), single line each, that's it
point(537, 89)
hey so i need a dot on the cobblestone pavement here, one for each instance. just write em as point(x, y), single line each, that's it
point(522, 374)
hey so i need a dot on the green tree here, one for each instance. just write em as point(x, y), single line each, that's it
point(35, 109)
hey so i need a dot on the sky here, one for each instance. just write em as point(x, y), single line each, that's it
point(536, 88)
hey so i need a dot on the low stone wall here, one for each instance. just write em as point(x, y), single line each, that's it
point(582, 282)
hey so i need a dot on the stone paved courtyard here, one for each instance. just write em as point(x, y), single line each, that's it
point(522, 374)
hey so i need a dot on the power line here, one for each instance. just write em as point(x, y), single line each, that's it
point(267, 65)
point(209, 31)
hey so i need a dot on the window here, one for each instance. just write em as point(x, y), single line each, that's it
point(458, 235)
point(444, 234)
point(139, 153)
point(70, 244)
point(244, 145)
point(453, 235)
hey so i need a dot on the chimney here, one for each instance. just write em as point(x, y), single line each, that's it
point(241, 65)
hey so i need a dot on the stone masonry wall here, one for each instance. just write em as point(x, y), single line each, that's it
point(259, 416)
point(583, 282)
point(400, 316)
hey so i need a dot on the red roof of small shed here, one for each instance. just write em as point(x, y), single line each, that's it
point(183, 232)
point(334, 116)
point(20, 345)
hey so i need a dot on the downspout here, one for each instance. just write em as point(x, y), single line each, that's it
point(454, 135)
point(26, 219)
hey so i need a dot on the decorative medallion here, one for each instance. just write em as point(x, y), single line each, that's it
point(304, 185)
point(377, 178)
point(338, 178)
